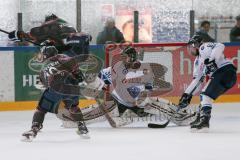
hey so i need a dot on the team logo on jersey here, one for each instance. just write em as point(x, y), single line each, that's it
point(125, 71)
point(133, 91)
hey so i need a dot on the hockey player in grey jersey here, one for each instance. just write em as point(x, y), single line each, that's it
point(210, 61)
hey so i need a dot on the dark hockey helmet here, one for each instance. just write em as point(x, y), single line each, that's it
point(194, 43)
point(50, 17)
point(130, 52)
point(196, 40)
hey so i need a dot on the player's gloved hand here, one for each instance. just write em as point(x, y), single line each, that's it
point(16, 36)
point(78, 75)
point(148, 86)
point(184, 101)
point(211, 66)
point(47, 49)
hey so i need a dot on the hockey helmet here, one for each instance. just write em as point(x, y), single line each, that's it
point(130, 52)
point(50, 17)
point(194, 43)
point(196, 40)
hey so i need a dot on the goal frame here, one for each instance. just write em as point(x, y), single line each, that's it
point(110, 47)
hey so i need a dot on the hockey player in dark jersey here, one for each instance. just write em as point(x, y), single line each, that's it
point(63, 48)
point(210, 61)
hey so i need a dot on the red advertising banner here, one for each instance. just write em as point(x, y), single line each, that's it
point(183, 68)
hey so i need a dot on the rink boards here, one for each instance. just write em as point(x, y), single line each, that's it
point(19, 77)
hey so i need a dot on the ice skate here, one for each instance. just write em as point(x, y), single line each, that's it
point(197, 120)
point(82, 130)
point(30, 135)
point(201, 124)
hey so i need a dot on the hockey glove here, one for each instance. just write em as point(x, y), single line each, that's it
point(211, 66)
point(149, 86)
point(48, 50)
point(184, 101)
point(16, 36)
point(79, 76)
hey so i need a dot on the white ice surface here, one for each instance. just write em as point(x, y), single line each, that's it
point(128, 143)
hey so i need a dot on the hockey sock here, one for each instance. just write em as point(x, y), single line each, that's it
point(38, 119)
point(76, 113)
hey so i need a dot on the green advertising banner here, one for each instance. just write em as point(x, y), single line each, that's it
point(27, 67)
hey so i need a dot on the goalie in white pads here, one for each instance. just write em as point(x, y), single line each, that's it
point(134, 86)
point(210, 61)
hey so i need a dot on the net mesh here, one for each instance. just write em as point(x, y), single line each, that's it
point(171, 65)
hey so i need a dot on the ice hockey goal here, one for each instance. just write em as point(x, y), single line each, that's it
point(172, 56)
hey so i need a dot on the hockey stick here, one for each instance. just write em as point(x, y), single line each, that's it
point(154, 125)
point(106, 114)
point(28, 40)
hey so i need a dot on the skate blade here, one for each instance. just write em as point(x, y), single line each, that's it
point(203, 130)
point(26, 139)
point(84, 136)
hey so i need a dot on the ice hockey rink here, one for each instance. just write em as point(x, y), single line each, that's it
point(132, 142)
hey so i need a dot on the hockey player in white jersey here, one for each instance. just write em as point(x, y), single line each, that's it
point(130, 83)
point(210, 61)
point(136, 87)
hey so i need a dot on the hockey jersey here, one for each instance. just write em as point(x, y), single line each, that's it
point(127, 85)
point(212, 51)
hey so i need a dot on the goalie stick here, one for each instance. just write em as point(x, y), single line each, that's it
point(164, 125)
point(106, 114)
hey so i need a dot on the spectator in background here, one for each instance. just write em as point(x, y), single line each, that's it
point(235, 31)
point(203, 31)
point(110, 33)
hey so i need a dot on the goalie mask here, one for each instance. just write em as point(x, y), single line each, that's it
point(130, 58)
point(193, 44)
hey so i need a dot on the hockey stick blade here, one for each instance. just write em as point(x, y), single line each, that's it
point(154, 125)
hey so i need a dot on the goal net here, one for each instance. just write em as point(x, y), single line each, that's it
point(171, 65)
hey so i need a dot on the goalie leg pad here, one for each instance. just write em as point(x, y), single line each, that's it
point(170, 111)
